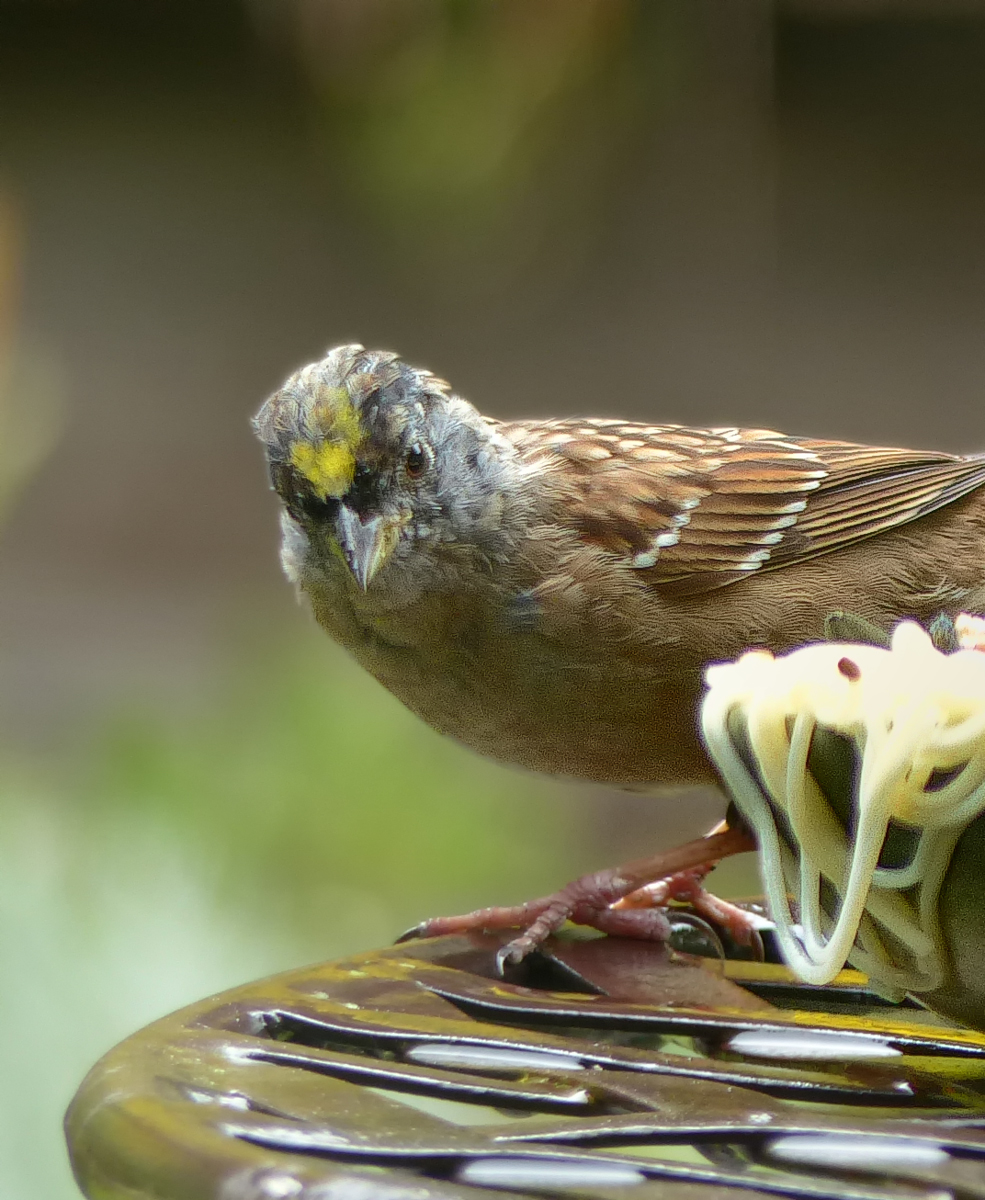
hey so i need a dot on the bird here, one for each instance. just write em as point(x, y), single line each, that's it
point(551, 592)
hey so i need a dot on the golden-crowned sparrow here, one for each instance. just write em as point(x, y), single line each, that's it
point(550, 592)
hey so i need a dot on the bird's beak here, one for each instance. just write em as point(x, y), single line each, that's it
point(365, 544)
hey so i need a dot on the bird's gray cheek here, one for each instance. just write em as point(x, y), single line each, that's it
point(491, 514)
point(294, 547)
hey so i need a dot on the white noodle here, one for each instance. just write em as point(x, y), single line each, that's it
point(912, 712)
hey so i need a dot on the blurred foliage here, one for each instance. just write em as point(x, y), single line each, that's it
point(294, 812)
point(309, 795)
point(456, 124)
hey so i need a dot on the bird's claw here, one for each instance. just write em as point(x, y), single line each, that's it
point(420, 930)
point(511, 955)
point(621, 902)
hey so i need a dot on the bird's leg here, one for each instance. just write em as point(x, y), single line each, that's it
point(689, 886)
point(594, 899)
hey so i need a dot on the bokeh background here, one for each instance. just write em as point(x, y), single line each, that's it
point(690, 210)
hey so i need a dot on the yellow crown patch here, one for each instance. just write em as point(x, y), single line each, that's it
point(329, 462)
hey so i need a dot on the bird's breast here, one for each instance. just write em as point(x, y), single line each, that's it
point(490, 677)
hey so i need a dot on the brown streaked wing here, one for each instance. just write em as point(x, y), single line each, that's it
point(865, 490)
point(708, 506)
point(644, 491)
point(869, 491)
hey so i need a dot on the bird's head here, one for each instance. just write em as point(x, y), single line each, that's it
point(376, 461)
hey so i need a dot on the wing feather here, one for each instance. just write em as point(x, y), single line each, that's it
point(694, 509)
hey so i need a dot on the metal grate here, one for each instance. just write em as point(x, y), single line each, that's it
point(607, 1068)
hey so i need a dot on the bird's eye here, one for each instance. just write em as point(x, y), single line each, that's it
point(415, 462)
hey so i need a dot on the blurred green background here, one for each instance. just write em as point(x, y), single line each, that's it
point(763, 213)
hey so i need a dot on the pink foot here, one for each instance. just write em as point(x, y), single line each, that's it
point(615, 901)
point(687, 886)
